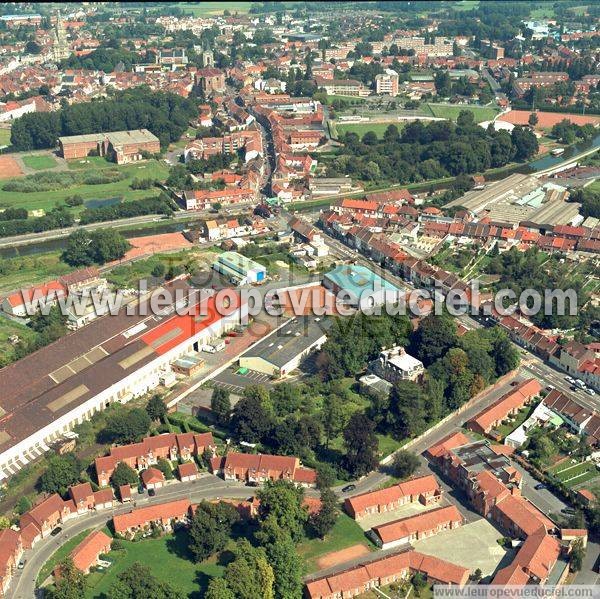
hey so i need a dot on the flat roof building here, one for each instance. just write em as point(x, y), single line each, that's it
point(239, 269)
point(359, 286)
point(282, 351)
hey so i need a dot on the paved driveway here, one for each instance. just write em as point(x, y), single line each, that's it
point(236, 383)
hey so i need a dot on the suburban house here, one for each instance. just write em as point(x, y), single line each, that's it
point(162, 514)
point(87, 554)
point(424, 489)
point(256, 469)
point(509, 404)
point(85, 499)
point(152, 478)
point(382, 571)
point(11, 550)
point(141, 455)
point(188, 471)
point(420, 526)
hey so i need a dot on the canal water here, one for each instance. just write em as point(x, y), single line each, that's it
point(54, 245)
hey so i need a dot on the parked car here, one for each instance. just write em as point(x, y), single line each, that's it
point(540, 486)
point(56, 531)
point(151, 492)
point(21, 564)
point(590, 392)
point(348, 488)
point(569, 379)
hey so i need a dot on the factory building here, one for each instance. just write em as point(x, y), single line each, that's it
point(239, 269)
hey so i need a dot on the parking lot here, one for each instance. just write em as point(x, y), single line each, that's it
point(235, 382)
point(474, 545)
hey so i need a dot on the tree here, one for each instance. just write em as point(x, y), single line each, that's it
point(361, 445)
point(249, 575)
point(525, 142)
point(435, 335)
point(128, 427)
point(404, 464)
point(218, 589)
point(324, 520)
point(419, 582)
point(282, 556)
point(282, 501)
point(251, 419)
point(100, 246)
point(4, 522)
point(138, 582)
point(23, 505)
point(220, 404)
point(156, 408)
point(577, 555)
point(407, 414)
point(124, 474)
point(533, 119)
point(159, 270)
point(333, 416)
point(165, 467)
point(61, 473)
point(71, 583)
point(211, 528)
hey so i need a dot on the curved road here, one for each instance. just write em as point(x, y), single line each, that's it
point(207, 487)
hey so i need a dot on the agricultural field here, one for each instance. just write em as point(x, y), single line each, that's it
point(121, 189)
point(449, 111)
point(39, 162)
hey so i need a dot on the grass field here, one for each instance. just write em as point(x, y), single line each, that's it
point(47, 199)
point(39, 162)
point(445, 111)
point(169, 559)
point(201, 9)
point(575, 474)
point(345, 533)
point(9, 328)
point(59, 555)
point(28, 270)
point(362, 128)
point(4, 137)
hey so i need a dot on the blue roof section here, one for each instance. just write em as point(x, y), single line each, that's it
point(358, 279)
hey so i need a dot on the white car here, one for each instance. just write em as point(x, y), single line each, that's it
point(569, 379)
point(590, 392)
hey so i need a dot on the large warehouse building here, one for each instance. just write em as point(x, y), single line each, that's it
point(283, 350)
point(113, 359)
point(239, 269)
point(119, 146)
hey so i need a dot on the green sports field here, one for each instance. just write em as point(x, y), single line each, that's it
point(448, 111)
point(362, 128)
point(4, 137)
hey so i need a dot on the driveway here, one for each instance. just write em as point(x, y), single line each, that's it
point(236, 383)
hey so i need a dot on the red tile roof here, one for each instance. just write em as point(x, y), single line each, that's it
point(187, 469)
point(418, 524)
point(86, 553)
point(409, 488)
point(152, 476)
point(151, 513)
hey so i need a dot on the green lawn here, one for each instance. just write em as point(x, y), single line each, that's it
point(47, 199)
point(169, 559)
point(60, 554)
point(345, 533)
point(4, 137)
point(507, 428)
point(448, 111)
point(350, 99)
point(39, 162)
point(575, 474)
point(362, 128)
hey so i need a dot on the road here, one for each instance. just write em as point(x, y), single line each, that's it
point(208, 487)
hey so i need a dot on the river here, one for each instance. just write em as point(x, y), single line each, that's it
point(550, 161)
